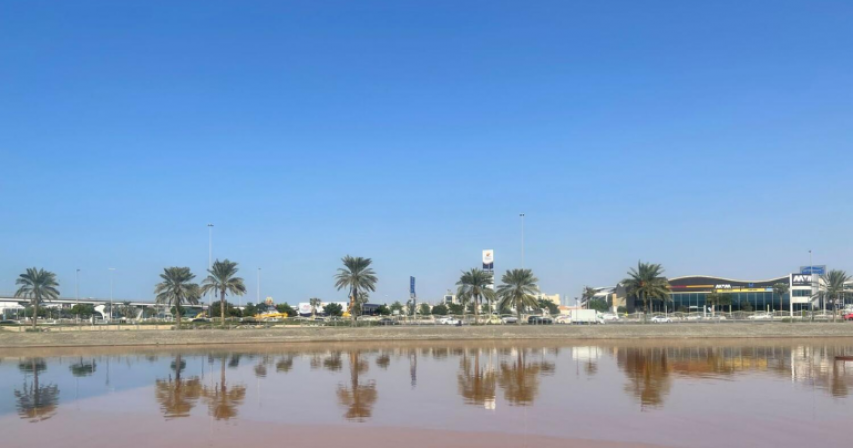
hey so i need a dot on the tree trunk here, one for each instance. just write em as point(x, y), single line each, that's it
point(222, 306)
point(35, 312)
point(476, 308)
point(178, 315)
point(353, 294)
point(518, 313)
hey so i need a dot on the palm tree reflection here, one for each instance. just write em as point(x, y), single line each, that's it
point(519, 378)
point(83, 367)
point(177, 396)
point(648, 375)
point(476, 384)
point(223, 400)
point(36, 402)
point(357, 397)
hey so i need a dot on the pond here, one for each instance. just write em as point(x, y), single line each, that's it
point(710, 393)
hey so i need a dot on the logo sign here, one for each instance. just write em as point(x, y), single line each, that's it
point(489, 259)
point(801, 279)
point(412, 286)
point(723, 287)
point(817, 270)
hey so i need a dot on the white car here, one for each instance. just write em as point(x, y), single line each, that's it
point(761, 316)
point(449, 321)
point(610, 316)
point(660, 320)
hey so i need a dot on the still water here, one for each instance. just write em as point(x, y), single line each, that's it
point(781, 393)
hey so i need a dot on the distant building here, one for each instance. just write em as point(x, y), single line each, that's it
point(553, 298)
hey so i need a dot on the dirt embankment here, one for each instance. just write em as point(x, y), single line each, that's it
point(12, 339)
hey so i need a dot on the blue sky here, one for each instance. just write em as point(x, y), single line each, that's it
point(711, 137)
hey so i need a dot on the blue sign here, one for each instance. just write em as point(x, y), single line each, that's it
point(816, 270)
point(412, 286)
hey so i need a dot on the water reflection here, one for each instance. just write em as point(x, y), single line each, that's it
point(223, 400)
point(177, 396)
point(83, 367)
point(477, 380)
point(647, 370)
point(357, 397)
point(35, 402)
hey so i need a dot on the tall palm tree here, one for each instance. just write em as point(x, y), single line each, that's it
point(835, 285)
point(358, 277)
point(37, 285)
point(780, 289)
point(475, 284)
point(222, 280)
point(176, 289)
point(647, 283)
point(518, 290)
point(315, 303)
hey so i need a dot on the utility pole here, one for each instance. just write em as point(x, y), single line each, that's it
point(112, 270)
point(521, 215)
point(209, 261)
point(258, 292)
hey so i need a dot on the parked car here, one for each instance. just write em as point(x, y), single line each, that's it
point(659, 319)
point(539, 320)
point(388, 321)
point(610, 316)
point(200, 320)
point(760, 316)
point(715, 318)
point(848, 316)
point(509, 320)
point(563, 319)
point(449, 321)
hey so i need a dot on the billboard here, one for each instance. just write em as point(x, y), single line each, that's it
point(819, 270)
point(801, 280)
point(412, 286)
point(489, 259)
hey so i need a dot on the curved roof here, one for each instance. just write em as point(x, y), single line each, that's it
point(729, 279)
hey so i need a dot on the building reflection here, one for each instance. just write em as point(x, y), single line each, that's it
point(35, 402)
point(177, 396)
point(224, 400)
point(357, 397)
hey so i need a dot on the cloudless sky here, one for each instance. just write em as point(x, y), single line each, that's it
point(712, 137)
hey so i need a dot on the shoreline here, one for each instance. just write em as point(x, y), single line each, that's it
point(282, 335)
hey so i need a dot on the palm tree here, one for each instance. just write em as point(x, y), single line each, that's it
point(315, 302)
point(835, 285)
point(176, 289)
point(647, 282)
point(712, 300)
point(588, 294)
point(177, 396)
point(518, 290)
point(358, 397)
point(37, 285)
point(222, 401)
point(780, 289)
point(475, 284)
point(358, 277)
point(476, 385)
point(222, 280)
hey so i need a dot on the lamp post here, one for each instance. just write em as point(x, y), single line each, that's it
point(209, 261)
point(77, 287)
point(521, 215)
point(258, 292)
point(112, 270)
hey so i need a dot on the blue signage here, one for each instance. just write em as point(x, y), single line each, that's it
point(412, 286)
point(816, 270)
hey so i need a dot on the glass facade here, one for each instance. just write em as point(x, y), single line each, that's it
point(757, 301)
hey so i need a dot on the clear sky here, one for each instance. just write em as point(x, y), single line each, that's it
point(712, 137)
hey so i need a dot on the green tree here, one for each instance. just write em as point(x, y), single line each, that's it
point(518, 290)
point(230, 309)
point(598, 305)
point(383, 310)
point(647, 283)
point(356, 276)
point(397, 306)
point(149, 312)
point(285, 308)
point(552, 308)
point(425, 309)
point(177, 289)
point(333, 309)
point(474, 284)
point(456, 309)
point(83, 310)
point(222, 279)
point(315, 303)
point(38, 286)
point(588, 294)
point(439, 310)
point(250, 310)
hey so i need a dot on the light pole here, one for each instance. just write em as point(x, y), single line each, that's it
point(258, 292)
point(112, 270)
point(77, 286)
point(209, 261)
point(521, 215)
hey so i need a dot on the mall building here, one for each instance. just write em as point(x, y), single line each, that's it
point(689, 293)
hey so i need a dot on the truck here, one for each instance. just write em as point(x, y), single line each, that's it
point(586, 317)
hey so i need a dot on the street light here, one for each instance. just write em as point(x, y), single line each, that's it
point(521, 215)
point(77, 286)
point(112, 270)
point(258, 292)
point(209, 261)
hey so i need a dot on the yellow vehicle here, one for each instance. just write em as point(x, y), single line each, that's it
point(267, 316)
